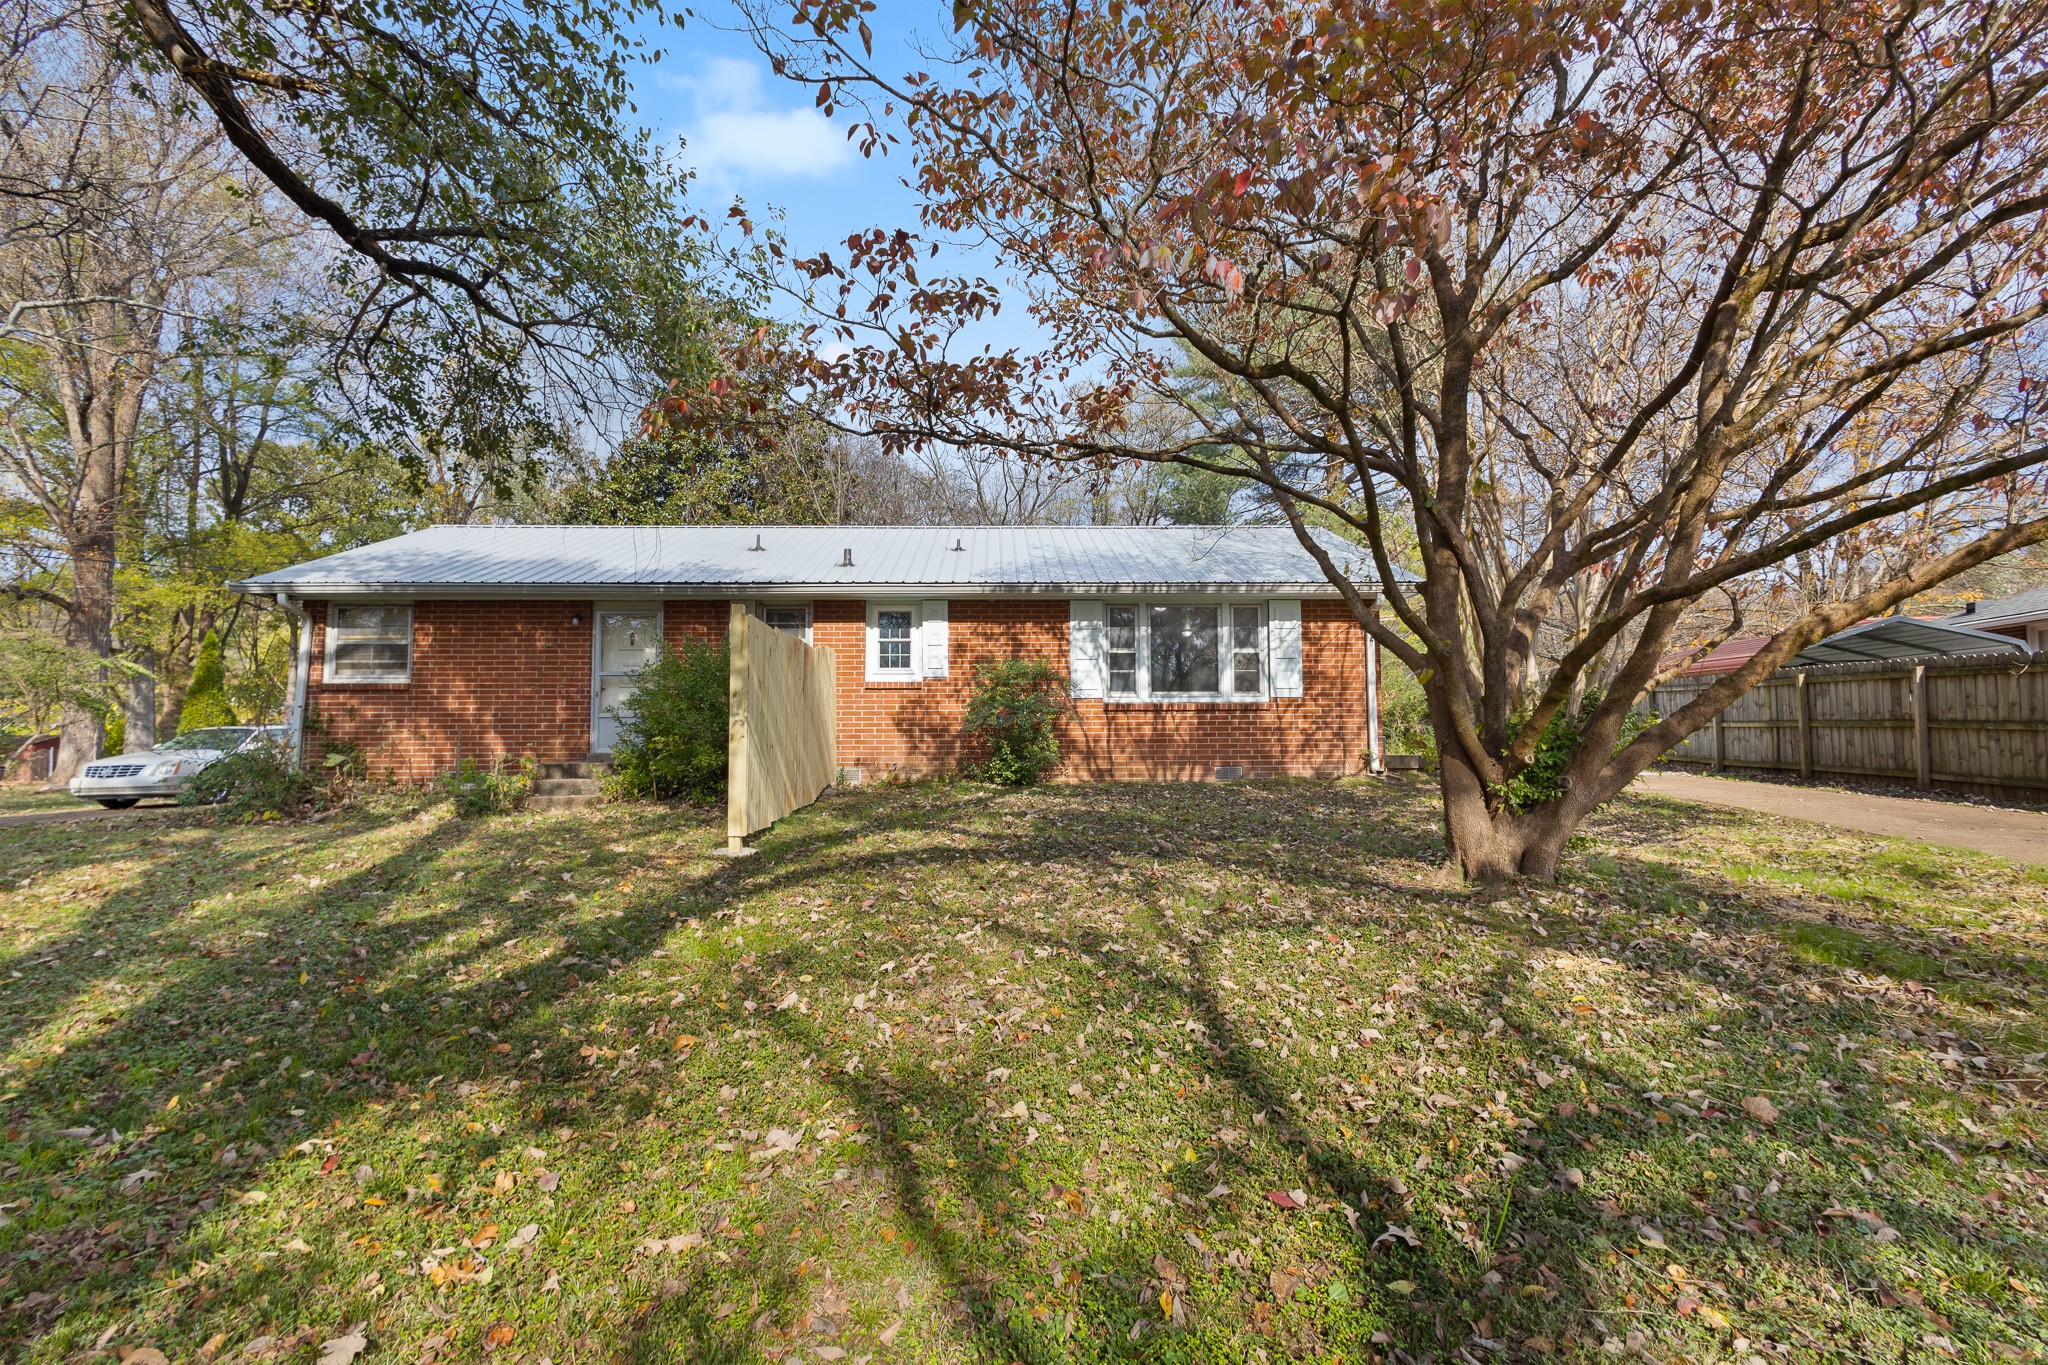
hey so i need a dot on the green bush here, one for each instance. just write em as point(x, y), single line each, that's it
point(344, 760)
point(1015, 713)
point(255, 782)
point(206, 701)
point(672, 739)
point(1404, 711)
point(1543, 779)
point(494, 790)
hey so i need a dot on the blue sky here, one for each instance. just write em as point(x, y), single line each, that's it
point(748, 133)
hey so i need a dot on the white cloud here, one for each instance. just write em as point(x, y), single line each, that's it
point(734, 134)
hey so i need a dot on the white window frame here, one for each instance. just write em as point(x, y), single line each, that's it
point(335, 637)
point(1226, 672)
point(875, 671)
point(761, 610)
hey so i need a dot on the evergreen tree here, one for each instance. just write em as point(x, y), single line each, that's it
point(206, 703)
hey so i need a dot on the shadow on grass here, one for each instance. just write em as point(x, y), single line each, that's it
point(950, 1162)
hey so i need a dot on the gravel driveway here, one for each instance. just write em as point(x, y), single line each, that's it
point(2016, 834)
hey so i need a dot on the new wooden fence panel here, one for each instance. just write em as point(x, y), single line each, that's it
point(782, 741)
point(1976, 723)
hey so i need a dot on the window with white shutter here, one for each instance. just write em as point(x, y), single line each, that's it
point(936, 644)
point(1084, 647)
point(1284, 642)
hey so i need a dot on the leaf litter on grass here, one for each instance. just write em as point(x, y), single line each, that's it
point(951, 1073)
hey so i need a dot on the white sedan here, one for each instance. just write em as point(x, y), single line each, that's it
point(119, 782)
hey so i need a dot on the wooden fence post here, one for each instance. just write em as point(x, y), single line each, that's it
point(1719, 751)
point(1923, 739)
point(1802, 709)
point(738, 732)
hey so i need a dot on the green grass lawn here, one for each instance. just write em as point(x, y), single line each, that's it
point(25, 799)
point(1200, 1073)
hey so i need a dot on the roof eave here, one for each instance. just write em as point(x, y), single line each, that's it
point(485, 591)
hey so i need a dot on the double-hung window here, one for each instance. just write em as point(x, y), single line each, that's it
point(892, 642)
point(368, 644)
point(1120, 650)
point(1247, 652)
point(892, 639)
point(1179, 651)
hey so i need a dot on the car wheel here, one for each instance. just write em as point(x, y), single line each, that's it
point(119, 802)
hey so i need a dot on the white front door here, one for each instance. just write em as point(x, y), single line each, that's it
point(628, 638)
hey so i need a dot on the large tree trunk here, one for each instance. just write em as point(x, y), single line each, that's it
point(102, 404)
point(78, 743)
point(1491, 846)
point(138, 711)
point(92, 619)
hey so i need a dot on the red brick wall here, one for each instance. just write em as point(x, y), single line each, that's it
point(913, 729)
point(704, 622)
point(513, 678)
point(488, 679)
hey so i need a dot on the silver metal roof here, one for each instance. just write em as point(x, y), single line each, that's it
point(2019, 609)
point(1900, 637)
point(495, 561)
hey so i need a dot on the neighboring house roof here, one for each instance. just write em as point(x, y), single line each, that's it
point(1887, 637)
point(2022, 608)
point(1726, 657)
point(1900, 637)
point(723, 561)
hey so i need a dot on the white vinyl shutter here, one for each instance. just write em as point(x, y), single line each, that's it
point(1084, 647)
point(937, 640)
point(1283, 626)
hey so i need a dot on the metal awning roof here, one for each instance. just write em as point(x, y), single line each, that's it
point(485, 561)
point(1900, 637)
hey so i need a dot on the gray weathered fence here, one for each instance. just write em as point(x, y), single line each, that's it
point(1975, 723)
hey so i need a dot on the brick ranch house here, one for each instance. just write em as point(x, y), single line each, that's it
point(1195, 652)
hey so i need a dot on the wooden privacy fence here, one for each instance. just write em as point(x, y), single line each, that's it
point(1974, 723)
point(782, 741)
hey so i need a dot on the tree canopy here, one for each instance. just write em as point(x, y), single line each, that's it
point(1611, 313)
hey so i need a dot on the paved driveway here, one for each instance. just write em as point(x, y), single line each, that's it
point(52, 817)
point(2019, 835)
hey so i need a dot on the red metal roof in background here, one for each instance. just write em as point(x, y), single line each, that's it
point(1729, 656)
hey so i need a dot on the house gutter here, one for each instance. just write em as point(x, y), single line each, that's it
point(1372, 704)
point(302, 672)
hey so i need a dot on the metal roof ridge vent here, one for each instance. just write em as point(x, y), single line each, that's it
point(846, 558)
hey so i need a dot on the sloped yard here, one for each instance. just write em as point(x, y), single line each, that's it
point(1176, 1074)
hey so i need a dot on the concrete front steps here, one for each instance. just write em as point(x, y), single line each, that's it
point(567, 786)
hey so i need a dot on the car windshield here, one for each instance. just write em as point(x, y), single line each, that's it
point(213, 737)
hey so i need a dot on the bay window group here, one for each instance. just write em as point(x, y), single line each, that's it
point(1181, 650)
